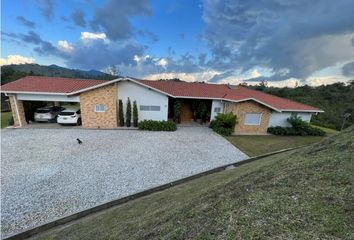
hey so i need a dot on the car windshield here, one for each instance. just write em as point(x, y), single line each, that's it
point(43, 111)
point(66, 113)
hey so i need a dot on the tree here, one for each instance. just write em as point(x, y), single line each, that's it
point(121, 114)
point(129, 113)
point(135, 114)
point(113, 70)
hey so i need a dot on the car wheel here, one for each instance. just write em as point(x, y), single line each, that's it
point(79, 122)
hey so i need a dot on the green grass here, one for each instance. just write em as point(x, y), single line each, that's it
point(328, 131)
point(301, 194)
point(256, 145)
point(5, 118)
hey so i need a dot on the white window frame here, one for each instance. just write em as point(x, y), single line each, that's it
point(149, 108)
point(217, 108)
point(250, 124)
point(99, 106)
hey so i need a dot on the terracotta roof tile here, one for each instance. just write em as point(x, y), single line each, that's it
point(175, 89)
point(49, 84)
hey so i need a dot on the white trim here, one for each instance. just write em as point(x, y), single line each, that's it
point(260, 119)
point(247, 99)
point(17, 112)
point(40, 93)
point(294, 110)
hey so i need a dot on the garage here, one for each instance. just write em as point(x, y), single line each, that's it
point(49, 95)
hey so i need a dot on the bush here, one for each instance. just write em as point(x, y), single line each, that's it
point(129, 113)
point(121, 114)
point(135, 114)
point(223, 131)
point(299, 128)
point(151, 125)
point(224, 123)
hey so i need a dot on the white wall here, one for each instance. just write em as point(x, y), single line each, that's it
point(215, 104)
point(143, 96)
point(280, 119)
point(47, 98)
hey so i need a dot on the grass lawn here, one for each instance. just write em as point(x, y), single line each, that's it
point(301, 194)
point(5, 117)
point(257, 145)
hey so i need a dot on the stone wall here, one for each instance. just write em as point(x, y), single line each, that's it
point(107, 96)
point(241, 108)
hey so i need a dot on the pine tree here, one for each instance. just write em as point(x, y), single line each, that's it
point(135, 114)
point(121, 114)
point(129, 113)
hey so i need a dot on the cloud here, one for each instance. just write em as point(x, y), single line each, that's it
point(113, 17)
point(93, 36)
point(162, 62)
point(97, 54)
point(26, 22)
point(16, 59)
point(348, 69)
point(42, 47)
point(293, 39)
point(65, 46)
point(47, 9)
point(79, 18)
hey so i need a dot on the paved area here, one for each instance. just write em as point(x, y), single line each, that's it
point(46, 174)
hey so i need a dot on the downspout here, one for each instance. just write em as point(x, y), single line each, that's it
point(17, 112)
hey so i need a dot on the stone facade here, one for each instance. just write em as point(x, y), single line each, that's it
point(107, 96)
point(21, 121)
point(240, 109)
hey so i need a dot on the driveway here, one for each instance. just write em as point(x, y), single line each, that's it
point(46, 174)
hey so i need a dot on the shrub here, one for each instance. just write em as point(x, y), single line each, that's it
point(121, 114)
point(223, 131)
point(151, 125)
point(224, 123)
point(129, 113)
point(299, 128)
point(135, 114)
point(177, 111)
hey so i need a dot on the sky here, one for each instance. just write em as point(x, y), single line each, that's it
point(283, 42)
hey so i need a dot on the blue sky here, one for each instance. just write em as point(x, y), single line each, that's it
point(283, 42)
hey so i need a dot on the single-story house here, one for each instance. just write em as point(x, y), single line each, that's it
point(256, 111)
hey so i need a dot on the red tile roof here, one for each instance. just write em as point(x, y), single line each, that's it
point(49, 84)
point(174, 89)
point(223, 91)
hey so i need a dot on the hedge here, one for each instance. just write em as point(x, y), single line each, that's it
point(151, 125)
point(224, 123)
point(299, 128)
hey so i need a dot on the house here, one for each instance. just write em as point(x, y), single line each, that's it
point(256, 111)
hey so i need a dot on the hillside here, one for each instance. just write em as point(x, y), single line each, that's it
point(302, 194)
point(13, 72)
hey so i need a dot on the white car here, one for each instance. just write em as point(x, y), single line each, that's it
point(47, 114)
point(70, 116)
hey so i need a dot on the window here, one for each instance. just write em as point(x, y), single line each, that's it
point(100, 108)
point(149, 108)
point(253, 118)
point(217, 109)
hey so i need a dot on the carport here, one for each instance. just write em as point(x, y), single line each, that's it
point(42, 89)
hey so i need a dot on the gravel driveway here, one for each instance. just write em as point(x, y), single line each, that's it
point(46, 174)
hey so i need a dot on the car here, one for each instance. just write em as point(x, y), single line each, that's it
point(47, 114)
point(69, 116)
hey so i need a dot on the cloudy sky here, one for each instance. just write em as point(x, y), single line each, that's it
point(282, 41)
